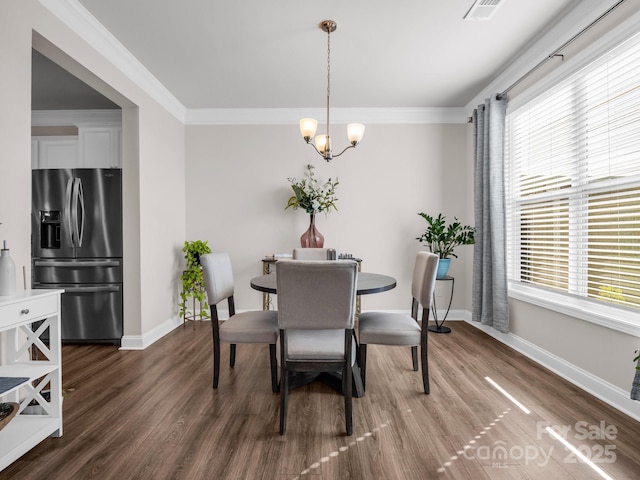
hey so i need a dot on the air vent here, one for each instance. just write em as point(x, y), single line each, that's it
point(483, 9)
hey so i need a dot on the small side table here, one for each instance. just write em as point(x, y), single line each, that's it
point(438, 327)
point(268, 266)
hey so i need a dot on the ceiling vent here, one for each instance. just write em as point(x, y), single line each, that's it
point(483, 9)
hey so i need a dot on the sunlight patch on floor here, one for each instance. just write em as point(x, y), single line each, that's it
point(340, 450)
point(498, 453)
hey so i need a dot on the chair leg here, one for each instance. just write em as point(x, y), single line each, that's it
point(284, 392)
point(362, 363)
point(425, 360)
point(284, 382)
point(232, 355)
point(348, 396)
point(216, 357)
point(274, 367)
point(414, 357)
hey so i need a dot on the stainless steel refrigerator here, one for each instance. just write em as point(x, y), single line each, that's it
point(76, 244)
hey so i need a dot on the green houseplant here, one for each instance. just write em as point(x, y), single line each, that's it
point(193, 279)
point(442, 239)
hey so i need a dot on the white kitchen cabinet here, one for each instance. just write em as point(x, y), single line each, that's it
point(24, 354)
point(55, 151)
point(76, 139)
point(99, 147)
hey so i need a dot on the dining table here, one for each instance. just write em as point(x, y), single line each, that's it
point(367, 283)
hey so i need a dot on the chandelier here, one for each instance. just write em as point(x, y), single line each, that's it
point(308, 126)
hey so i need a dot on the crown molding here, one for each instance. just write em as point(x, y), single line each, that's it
point(75, 117)
point(81, 22)
point(72, 14)
point(291, 116)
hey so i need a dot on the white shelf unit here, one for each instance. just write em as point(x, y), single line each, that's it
point(24, 317)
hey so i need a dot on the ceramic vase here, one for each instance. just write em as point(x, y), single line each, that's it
point(312, 238)
point(7, 273)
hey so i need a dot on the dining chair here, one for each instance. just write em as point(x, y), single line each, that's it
point(310, 253)
point(316, 306)
point(258, 326)
point(384, 328)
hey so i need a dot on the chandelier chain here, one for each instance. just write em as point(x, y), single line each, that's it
point(328, 81)
point(328, 63)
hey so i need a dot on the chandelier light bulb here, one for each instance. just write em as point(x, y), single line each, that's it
point(323, 144)
point(308, 127)
point(355, 132)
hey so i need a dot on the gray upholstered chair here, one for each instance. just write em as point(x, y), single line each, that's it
point(316, 307)
point(400, 329)
point(310, 253)
point(259, 326)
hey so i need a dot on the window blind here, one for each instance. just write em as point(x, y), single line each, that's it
point(572, 175)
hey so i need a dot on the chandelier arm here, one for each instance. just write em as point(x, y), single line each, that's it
point(315, 148)
point(346, 148)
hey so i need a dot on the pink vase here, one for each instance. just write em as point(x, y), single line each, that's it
point(312, 238)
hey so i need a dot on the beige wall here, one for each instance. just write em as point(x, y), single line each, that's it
point(603, 352)
point(153, 161)
point(237, 189)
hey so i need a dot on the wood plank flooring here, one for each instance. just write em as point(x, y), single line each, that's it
point(152, 414)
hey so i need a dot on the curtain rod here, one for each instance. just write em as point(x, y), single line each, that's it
point(556, 52)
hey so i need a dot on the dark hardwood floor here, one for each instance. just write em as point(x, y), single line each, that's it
point(152, 414)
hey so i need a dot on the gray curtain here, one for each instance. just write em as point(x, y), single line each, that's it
point(489, 295)
point(635, 387)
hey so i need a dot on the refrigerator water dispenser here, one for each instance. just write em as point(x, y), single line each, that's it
point(50, 229)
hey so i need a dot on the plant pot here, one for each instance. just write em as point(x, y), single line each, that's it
point(443, 267)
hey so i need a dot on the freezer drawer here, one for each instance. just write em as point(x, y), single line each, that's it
point(70, 271)
point(91, 313)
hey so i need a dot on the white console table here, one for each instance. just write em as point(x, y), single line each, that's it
point(24, 317)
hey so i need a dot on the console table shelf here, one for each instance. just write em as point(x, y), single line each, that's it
point(26, 319)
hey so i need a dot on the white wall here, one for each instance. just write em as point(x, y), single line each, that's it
point(15, 133)
point(153, 163)
point(237, 189)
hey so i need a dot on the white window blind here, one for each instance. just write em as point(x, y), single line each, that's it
point(573, 183)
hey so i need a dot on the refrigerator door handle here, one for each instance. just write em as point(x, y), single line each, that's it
point(67, 212)
point(90, 289)
point(80, 195)
point(74, 213)
point(75, 264)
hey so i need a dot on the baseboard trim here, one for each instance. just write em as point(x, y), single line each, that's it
point(140, 342)
point(605, 391)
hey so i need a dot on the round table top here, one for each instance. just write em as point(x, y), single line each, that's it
point(366, 283)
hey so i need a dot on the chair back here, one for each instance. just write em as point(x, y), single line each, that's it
point(218, 276)
point(310, 253)
point(316, 294)
point(424, 277)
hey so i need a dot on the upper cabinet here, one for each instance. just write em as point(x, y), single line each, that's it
point(55, 151)
point(94, 142)
point(99, 147)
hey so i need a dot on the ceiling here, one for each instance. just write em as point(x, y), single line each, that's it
point(272, 54)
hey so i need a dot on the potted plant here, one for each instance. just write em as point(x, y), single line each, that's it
point(442, 239)
point(313, 198)
point(192, 278)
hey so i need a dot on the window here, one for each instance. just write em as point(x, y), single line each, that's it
point(573, 183)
